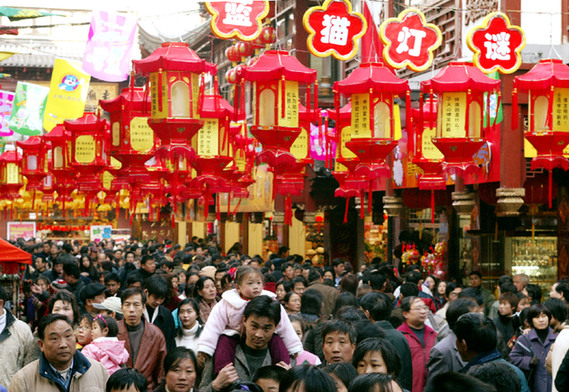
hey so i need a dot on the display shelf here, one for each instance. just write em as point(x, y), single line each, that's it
point(535, 257)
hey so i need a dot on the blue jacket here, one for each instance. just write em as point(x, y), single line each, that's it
point(494, 355)
point(80, 365)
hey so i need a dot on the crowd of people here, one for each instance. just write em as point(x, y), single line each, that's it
point(156, 317)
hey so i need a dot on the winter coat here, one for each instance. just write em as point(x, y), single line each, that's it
point(109, 351)
point(419, 354)
point(189, 338)
point(402, 347)
point(151, 354)
point(227, 318)
point(88, 376)
point(558, 353)
point(16, 348)
point(521, 355)
point(444, 357)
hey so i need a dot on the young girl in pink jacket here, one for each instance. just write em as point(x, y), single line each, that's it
point(225, 322)
point(105, 347)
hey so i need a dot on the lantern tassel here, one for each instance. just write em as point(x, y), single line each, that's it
point(432, 206)
point(160, 90)
point(549, 124)
point(369, 197)
point(288, 210)
point(362, 204)
point(467, 115)
point(408, 111)
point(34, 200)
point(158, 210)
point(242, 102)
point(316, 96)
point(217, 207)
point(237, 207)
point(431, 107)
point(308, 99)
point(515, 109)
point(236, 101)
point(150, 212)
point(228, 204)
point(550, 175)
point(283, 97)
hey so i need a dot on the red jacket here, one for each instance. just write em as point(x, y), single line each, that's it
point(419, 354)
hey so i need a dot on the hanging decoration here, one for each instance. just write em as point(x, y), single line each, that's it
point(6, 106)
point(334, 29)
point(547, 86)
point(409, 40)
point(497, 45)
point(28, 109)
point(237, 18)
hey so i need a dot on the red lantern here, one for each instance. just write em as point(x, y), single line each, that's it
point(64, 177)
point(461, 130)
point(426, 155)
point(88, 156)
point(548, 127)
point(372, 88)
point(245, 49)
point(10, 175)
point(34, 162)
point(232, 54)
point(276, 77)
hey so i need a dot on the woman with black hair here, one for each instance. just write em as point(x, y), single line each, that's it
point(190, 328)
point(307, 378)
point(181, 371)
point(374, 355)
point(205, 293)
point(530, 350)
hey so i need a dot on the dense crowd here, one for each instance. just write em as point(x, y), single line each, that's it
point(157, 317)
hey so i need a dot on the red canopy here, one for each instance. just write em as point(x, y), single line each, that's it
point(547, 73)
point(11, 256)
point(275, 63)
point(375, 76)
point(460, 76)
point(214, 106)
point(173, 56)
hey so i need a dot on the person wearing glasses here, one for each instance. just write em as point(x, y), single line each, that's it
point(421, 338)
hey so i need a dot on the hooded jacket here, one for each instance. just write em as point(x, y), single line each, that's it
point(109, 351)
point(227, 318)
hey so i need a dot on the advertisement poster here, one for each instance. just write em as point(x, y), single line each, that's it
point(25, 230)
point(102, 232)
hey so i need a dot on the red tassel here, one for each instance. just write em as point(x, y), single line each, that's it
point(550, 175)
point(173, 219)
point(236, 207)
point(467, 119)
point(160, 90)
point(369, 197)
point(362, 204)
point(283, 98)
point(431, 108)
point(432, 206)
point(408, 111)
point(217, 208)
point(150, 212)
point(316, 95)
point(346, 211)
point(308, 99)
point(158, 210)
point(515, 109)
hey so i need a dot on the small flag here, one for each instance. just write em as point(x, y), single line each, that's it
point(28, 109)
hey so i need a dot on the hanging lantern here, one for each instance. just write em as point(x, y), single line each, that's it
point(276, 77)
point(547, 85)
point(426, 155)
point(88, 156)
point(372, 89)
point(34, 160)
point(64, 177)
point(174, 73)
point(233, 55)
point(461, 130)
point(10, 175)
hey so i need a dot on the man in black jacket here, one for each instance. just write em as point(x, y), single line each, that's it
point(156, 290)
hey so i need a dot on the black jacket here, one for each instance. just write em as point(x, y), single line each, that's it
point(165, 322)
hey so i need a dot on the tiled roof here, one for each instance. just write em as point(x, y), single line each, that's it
point(40, 53)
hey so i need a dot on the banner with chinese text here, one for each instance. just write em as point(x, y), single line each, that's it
point(109, 46)
point(28, 110)
point(25, 230)
point(67, 93)
point(6, 106)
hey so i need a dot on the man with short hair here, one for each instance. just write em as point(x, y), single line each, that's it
point(339, 269)
point(521, 281)
point(444, 355)
point(91, 294)
point(16, 342)
point(56, 270)
point(72, 276)
point(260, 319)
point(338, 341)
point(144, 342)
point(476, 341)
point(147, 267)
point(113, 284)
point(377, 307)
point(476, 282)
point(156, 290)
point(60, 367)
point(329, 294)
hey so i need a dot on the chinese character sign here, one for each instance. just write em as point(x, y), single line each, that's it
point(334, 29)
point(497, 45)
point(28, 110)
point(409, 40)
point(6, 105)
point(241, 19)
point(109, 46)
point(67, 93)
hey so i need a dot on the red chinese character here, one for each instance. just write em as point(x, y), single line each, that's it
point(409, 40)
point(334, 29)
point(497, 45)
point(240, 19)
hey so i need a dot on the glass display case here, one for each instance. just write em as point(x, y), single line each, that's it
point(535, 257)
